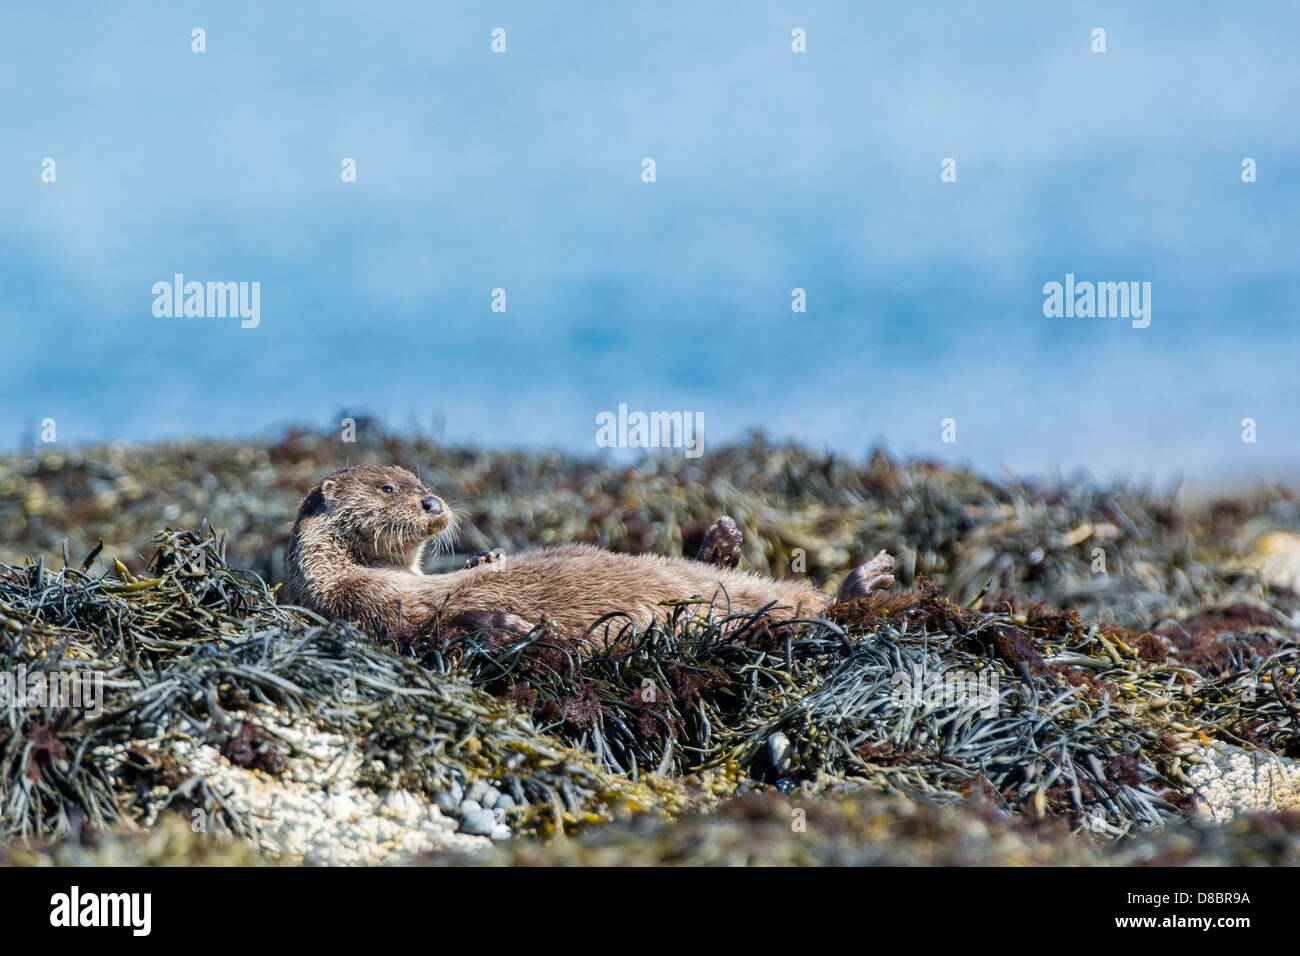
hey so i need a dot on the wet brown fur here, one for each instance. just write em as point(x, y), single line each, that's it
point(357, 551)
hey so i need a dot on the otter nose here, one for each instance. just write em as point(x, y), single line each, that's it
point(431, 505)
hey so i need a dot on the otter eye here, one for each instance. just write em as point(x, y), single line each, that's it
point(387, 489)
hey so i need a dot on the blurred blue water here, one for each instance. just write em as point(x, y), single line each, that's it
point(775, 170)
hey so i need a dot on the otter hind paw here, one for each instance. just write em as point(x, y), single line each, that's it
point(872, 576)
point(491, 621)
point(495, 556)
point(721, 545)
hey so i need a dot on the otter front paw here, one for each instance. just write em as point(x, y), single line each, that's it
point(721, 545)
point(872, 576)
point(495, 556)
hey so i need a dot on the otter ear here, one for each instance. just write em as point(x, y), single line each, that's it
point(329, 489)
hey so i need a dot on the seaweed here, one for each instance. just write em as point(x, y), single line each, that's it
point(177, 648)
point(1053, 653)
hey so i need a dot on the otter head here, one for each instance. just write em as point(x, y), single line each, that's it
point(384, 514)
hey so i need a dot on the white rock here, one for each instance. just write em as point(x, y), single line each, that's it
point(1276, 556)
point(1233, 781)
point(401, 805)
point(340, 807)
point(298, 819)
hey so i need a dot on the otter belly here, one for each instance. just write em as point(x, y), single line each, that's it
point(576, 585)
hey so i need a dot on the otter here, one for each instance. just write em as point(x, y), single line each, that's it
point(358, 546)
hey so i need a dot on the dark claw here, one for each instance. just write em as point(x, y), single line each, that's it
point(495, 556)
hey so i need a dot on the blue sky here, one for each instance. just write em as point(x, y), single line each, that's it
point(775, 170)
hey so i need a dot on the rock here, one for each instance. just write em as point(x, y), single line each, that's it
point(1230, 781)
point(339, 808)
point(480, 822)
point(779, 752)
point(1277, 558)
point(348, 824)
point(399, 805)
